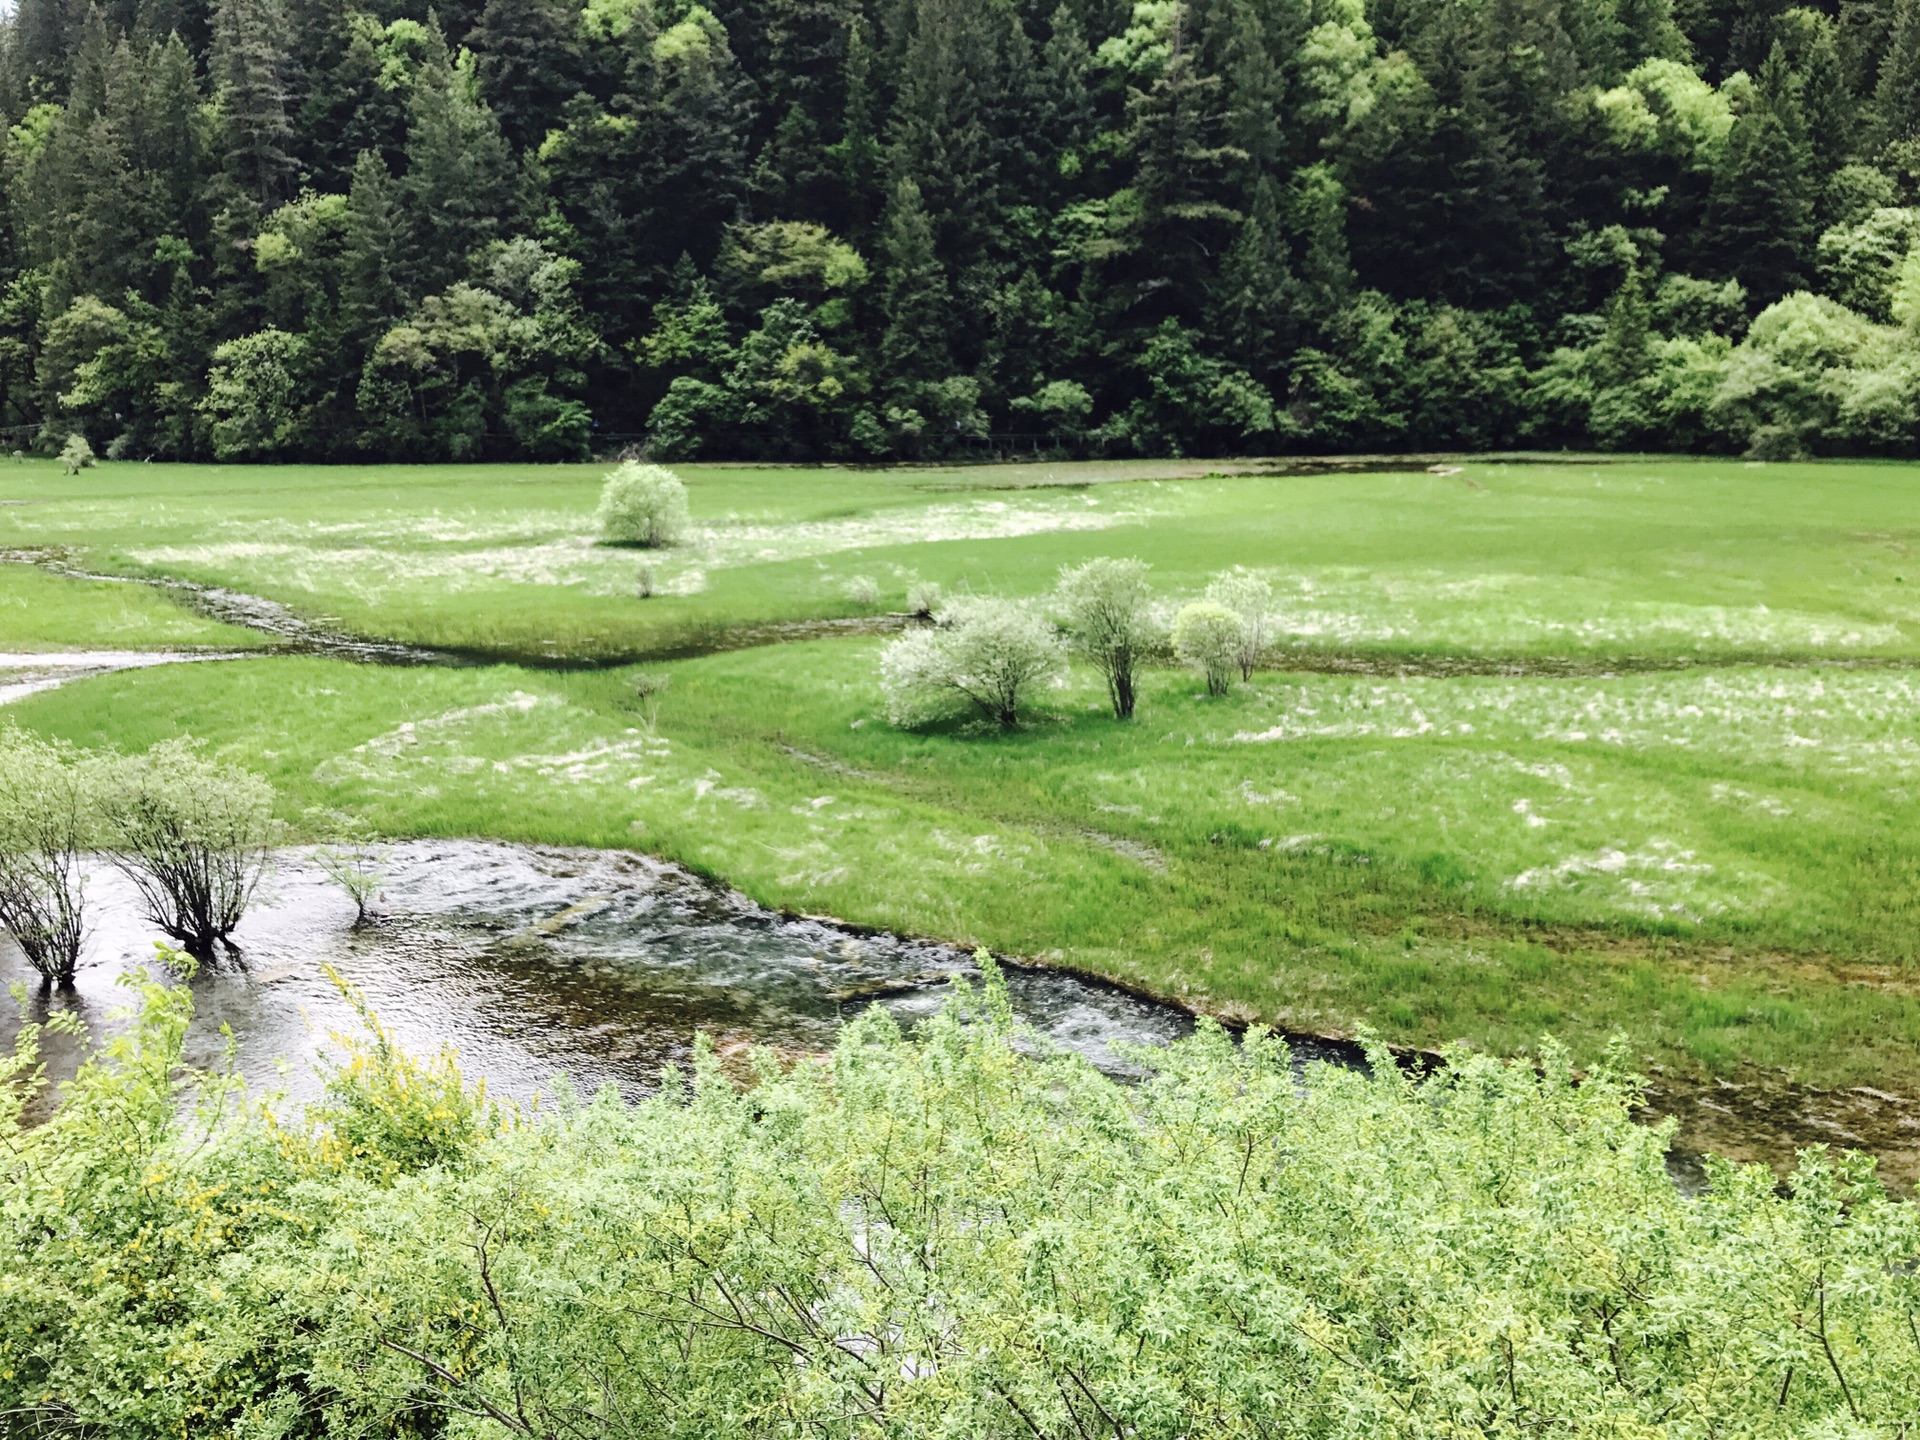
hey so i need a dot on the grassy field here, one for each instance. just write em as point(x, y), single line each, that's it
point(1650, 561)
point(1688, 812)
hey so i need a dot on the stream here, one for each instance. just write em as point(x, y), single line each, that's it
point(600, 966)
point(536, 963)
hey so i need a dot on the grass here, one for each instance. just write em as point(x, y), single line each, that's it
point(44, 612)
point(1640, 561)
point(1689, 814)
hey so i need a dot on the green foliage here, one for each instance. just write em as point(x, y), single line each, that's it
point(642, 505)
point(49, 800)
point(924, 230)
point(193, 835)
point(1106, 604)
point(982, 656)
point(76, 455)
point(937, 1234)
point(1212, 638)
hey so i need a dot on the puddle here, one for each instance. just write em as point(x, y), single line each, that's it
point(535, 963)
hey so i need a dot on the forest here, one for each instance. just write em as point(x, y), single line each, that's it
point(887, 230)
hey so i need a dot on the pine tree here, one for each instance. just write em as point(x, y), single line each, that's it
point(460, 175)
point(1759, 222)
point(1255, 300)
point(529, 62)
point(1896, 98)
point(370, 294)
point(1826, 105)
point(914, 348)
point(251, 73)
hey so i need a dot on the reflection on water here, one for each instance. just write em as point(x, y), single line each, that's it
point(533, 963)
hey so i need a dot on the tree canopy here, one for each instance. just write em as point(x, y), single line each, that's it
point(894, 229)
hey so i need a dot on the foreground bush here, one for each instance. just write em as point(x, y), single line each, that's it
point(982, 656)
point(933, 1237)
point(194, 836)
point(643, 505)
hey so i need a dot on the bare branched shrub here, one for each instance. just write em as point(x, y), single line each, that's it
point(194, 836)
point(47, 799)
point(864, 591)
point(1106, 603)
point(647, 692)
point(354, 857)
point(983, 655)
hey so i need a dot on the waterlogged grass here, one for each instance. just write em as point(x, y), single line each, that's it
point(41, 612)
point(1636, 560)
point(1721, 863)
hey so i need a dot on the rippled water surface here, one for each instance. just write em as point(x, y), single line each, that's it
point(535, 963)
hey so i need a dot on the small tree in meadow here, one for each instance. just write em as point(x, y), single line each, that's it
point(983, 656)
point(47, 798)
point(642, 505)
point(864, 591)
point(1209, 635)
point(1251, 598)
point(77, 456)
point(194, 836)
point(1105, 603)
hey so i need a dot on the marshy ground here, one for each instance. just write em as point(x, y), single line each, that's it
point(1567, 748)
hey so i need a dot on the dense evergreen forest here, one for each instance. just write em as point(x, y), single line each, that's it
point(898, 229)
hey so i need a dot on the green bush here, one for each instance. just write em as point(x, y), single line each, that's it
point(1212, 638)
point(948, 1235)
point(643, 505)
point(48, 801)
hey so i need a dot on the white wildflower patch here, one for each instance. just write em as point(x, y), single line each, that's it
point(1839, 722)
point(1554, 614)
point(1659, 878)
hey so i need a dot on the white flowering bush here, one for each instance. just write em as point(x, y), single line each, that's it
point(1251, 598)
point(643, 505)
point(1208, 635)
point(982, 656)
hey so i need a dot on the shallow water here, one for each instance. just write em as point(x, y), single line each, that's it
point(535, 963)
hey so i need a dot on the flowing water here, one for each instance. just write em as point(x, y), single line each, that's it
point(536, 963)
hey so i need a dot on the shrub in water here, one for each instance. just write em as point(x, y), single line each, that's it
point(77, 456)
point(47, 798)
point(642, 505)
point(1251, 598)
point(1211, 636)
point(1105, 602)
point(923, 598)
point(195, 838)
point(354, 858)
point(983, 656)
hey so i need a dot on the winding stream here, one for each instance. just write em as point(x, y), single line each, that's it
point(601, 965)
point(536, 963)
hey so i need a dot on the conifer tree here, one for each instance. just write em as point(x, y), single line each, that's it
point(1759, 219)
point(914, 348)
point(528, 60)
point(1897, 94)
point(460, 174)
point(251, 73)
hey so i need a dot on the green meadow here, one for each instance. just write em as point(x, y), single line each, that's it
point(1567, 748)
